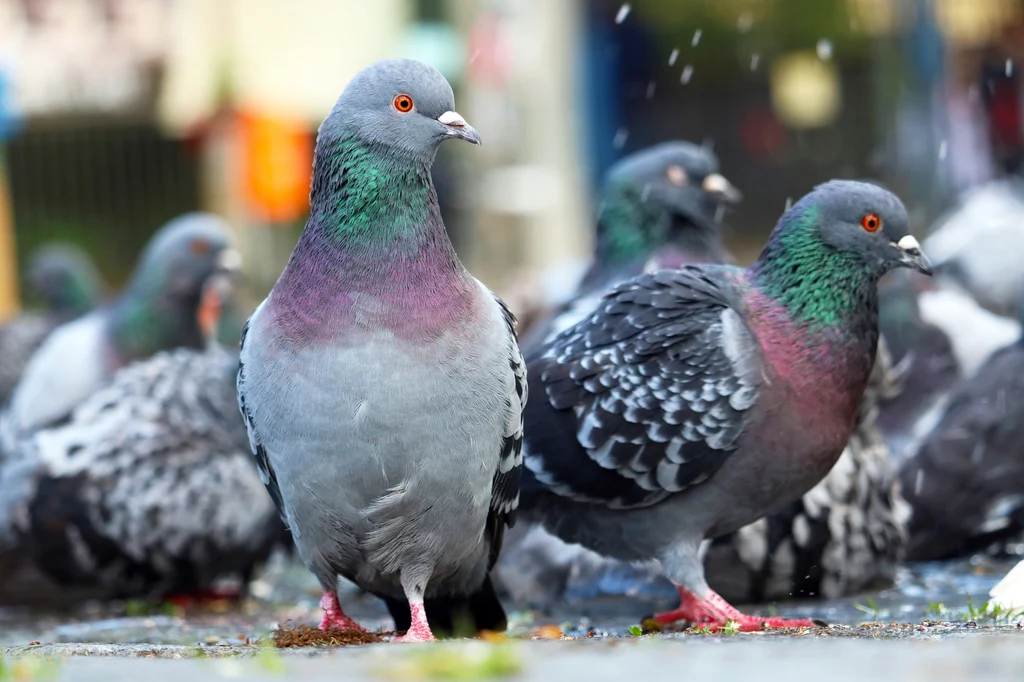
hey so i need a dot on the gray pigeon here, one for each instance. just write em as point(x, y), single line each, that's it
point(149, 489)
point(660, 208)
point(966, 481)
point(695, 401)
point(61, 278)
point(381, 383)
point(156, 311)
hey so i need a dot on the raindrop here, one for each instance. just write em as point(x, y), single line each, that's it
point(719, 213)
point(942, 150)
point(646, 192)
point(687, 74)
point(696, 38)
point(919, 482)
point(824, 49)
point(650, 89)
point(623, 13)
point(1009, 68)
point(621, 135)
point(673, 57)
point(744, 22)
point(789, 203)
point(755, 59)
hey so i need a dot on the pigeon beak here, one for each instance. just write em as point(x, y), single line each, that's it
point(456, 126)
point(912, 256)
point(721, 189)
point(229, 261)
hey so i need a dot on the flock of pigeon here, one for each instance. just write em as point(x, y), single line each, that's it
point(791, 428)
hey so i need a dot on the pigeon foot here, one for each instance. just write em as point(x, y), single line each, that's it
point(419, 631)
point(334, 616)
point(713, 613)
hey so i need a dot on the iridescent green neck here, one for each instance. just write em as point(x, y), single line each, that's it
point(365, 196)
point(629, 228)
point(817, 284)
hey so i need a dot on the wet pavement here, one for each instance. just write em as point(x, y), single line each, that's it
point(930, 604)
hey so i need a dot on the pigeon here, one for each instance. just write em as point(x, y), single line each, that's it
point(382, 385)
point(694, 401)
point(149, 490)
point(63, 279)
point(979, 244)
point(965, 483)
point(661, 208)
point(156, 311)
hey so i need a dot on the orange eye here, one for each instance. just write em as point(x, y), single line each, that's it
point(871, 222)
point(403, 103)
point(199, 246)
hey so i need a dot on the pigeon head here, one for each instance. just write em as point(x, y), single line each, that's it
point(401, 105)
point(825, 256)
point(680, 176)
point(181, 256)
point(63, 278)
point(666, 196)
point(865, 223)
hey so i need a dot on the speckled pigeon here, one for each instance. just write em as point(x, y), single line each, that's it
point(381, 383)
point(660, 208)
point(156, 311)
point(695, 401)
point(966, 482)
point(149, 489)
point(63, 280)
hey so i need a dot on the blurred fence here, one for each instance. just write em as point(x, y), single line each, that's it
point(105, 186)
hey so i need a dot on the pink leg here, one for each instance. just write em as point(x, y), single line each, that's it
point(419, 631)
point(714, 612)
point(334, 616)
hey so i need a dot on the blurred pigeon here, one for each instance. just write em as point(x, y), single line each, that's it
point(1008, 594)
point(61, 278)
point(928, 366)
point(974, 332)
point(156, 311)
point(655, 412)
point(149, 489)
point(661, 208)
point(979, 245)
point(966, 482)
point(381, 383)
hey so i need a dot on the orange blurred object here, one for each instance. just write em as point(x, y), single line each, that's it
point(277, 160)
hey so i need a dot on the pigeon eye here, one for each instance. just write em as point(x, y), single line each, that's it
point(403, 103)
point(676, 175)
point(871, 222)
point(199, 246)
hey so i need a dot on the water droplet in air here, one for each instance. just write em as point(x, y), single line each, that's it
point(623, 13)
point(824, 49)
point(621, 135)
point(1009, 68)
point(646, 192)
point(696, 37)
point(673, 57)
point(650, 89)
point(744, 22)
point(942, 150)
point(789, 203)
point(684, 78)
point(919, 482)
point(755, 59)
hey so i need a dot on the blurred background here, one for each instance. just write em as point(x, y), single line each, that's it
point(116, 115)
